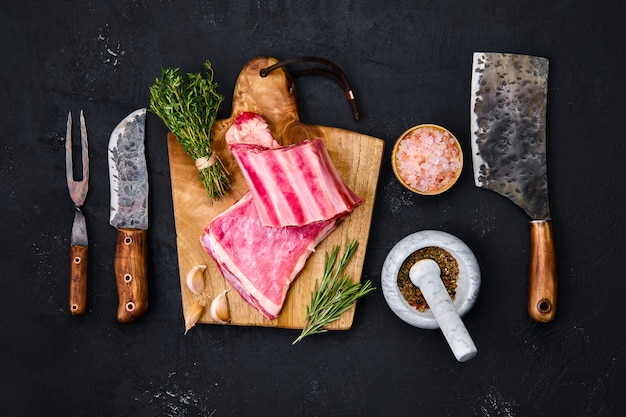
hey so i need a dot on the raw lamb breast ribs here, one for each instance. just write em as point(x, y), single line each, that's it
point(296, 199)
point(261, 262)
point(294, 185)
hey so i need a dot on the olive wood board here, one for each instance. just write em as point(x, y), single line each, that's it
point(357, 157)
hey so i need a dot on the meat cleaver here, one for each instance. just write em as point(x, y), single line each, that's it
point(508, 129)
point(128, 176)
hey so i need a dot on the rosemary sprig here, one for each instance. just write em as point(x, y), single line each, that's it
point(335, 294)
point(188, 107)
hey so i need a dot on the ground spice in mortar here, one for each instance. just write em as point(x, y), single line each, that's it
point(449, 275)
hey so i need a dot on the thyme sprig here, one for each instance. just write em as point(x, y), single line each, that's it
point(188, 106)
point(335, 294)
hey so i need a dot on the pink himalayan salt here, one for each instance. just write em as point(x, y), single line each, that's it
point(427, 159)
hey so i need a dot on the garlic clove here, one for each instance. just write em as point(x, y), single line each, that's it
point(195, 279)
point(220, 309)
point(194, 313)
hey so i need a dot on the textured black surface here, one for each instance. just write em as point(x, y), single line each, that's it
point(409, 63)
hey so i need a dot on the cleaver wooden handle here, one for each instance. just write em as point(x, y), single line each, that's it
point(542, 284)
point(78, 279)
point(131, 274)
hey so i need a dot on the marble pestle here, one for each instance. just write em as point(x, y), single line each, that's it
point(426, 275)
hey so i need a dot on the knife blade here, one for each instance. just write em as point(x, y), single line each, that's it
point(508, 128)
point(128, 176)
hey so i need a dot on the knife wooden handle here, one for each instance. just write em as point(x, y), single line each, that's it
point(542, 284)
point(78, 279)
point(131, 274)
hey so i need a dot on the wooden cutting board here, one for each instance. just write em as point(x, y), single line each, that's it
point(356, 156)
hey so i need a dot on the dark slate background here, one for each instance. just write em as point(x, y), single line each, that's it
point(410, 63)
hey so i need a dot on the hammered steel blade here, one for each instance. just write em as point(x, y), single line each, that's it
point(128, 173)
point(508, 103)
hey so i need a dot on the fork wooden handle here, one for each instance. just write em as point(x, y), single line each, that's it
point(78, 279)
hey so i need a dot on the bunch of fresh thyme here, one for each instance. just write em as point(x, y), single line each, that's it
point(188, 107)
point(335, 294)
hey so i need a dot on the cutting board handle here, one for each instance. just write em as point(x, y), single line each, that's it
point(542, 286)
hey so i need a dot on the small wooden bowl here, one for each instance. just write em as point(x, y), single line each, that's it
point(396, 168)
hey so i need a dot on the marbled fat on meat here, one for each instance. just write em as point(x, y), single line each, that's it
point(291, 185)
point(252, 129)
point(261, 262)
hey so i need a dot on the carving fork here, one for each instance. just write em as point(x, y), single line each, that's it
point(78, 244)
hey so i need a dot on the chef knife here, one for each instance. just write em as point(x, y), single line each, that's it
point(128, 177)
point(508, 128)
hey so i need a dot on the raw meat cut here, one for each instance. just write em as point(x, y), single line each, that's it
point(250, 128)
point(292, 185)
point(261, 262)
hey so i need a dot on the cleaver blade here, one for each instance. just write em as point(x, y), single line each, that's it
point(508, 130)
point(128, 177)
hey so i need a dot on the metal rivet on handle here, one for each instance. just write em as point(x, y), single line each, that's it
point(128, 278)
point(130, 306)
point(128, 240)
point(544, 306)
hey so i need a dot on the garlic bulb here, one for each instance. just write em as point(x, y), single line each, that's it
point(195, 279)
point(220, 309)
point(194, 313)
